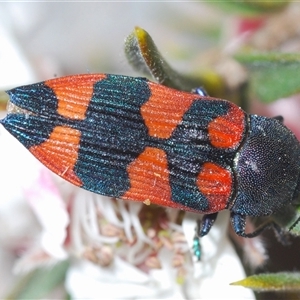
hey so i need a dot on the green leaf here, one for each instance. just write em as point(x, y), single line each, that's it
point(143, 55)
point(283, 281)
point(250, 7)
point(294, 225)
point(40, 282)
point(272, 75)
point(3, 100)
point(288, 219)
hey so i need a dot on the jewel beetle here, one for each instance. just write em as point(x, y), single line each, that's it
point(133, 139)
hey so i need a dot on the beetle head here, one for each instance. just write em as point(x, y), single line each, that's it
point(267, 168)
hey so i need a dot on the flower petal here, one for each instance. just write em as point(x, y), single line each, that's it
point(219, 266)
point(119, 281)
point(50, 209)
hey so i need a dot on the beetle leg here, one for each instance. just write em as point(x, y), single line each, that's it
point(239, 223)
point(207, 223)
point(196, 242)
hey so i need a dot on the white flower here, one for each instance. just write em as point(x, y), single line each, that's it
point(116, 249)
point(123, 249)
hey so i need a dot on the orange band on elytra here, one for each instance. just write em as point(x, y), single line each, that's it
point(227, 131)
point(60, 152)
point(149, 178)
point(215, 183)
point(164, 110)
point(74, 94)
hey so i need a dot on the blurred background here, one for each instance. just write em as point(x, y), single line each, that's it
point(66, 38)
point(215, 43)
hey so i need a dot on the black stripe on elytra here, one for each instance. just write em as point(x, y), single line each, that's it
point(189, 148)
point(113, 134)
point(35, 127)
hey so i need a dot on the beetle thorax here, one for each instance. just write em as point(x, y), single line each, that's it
point(266, 168)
